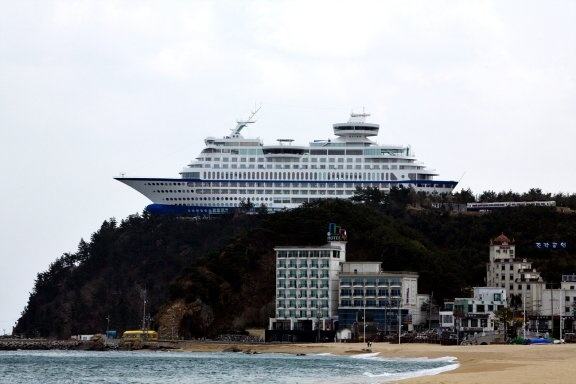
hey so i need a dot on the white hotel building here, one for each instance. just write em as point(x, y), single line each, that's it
point(307, 284)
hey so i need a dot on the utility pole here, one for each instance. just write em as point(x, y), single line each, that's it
point(144, 299)
point(318, 317)
point(364, 320)
point(400, 317)
point(386, 318)
point(560, 312)
point(551, 312)
point(430, 311)
point(524, 315)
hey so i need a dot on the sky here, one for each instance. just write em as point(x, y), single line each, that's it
point(483, 91)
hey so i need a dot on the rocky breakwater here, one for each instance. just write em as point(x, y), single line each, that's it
point(46, 344)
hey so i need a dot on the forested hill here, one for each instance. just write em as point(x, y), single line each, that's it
point(218, 275)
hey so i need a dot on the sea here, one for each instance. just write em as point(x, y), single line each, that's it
point(49, 367)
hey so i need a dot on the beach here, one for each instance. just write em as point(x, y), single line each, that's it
point(479, 364)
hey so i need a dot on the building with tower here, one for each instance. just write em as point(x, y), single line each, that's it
point(523, 284)
point(307, 286)
point(549, 307)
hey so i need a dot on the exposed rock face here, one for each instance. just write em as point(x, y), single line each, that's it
point(179, 319)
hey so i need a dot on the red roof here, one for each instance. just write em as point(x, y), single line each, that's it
point(502, 240)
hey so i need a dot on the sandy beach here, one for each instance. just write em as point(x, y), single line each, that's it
point(493, 364)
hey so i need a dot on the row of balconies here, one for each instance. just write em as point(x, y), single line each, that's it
point(304, 316)
point(369, 284)
point(304, 287)
point(304, 265)
point(302, 284)
point(302, 275)
point(371, 296)
point(324, 306)
point(302, 295)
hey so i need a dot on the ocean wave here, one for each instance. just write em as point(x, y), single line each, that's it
point(389, 376)
point(376, 355)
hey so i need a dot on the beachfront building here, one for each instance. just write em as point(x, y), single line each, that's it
point(522, 283)
point(547, 305)
point(477, 314)
point(557, 309)
point(377, 300)
point(307, 285)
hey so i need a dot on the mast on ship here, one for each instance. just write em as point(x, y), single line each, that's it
point(242, 123)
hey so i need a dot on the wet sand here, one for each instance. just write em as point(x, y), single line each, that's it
point(479, 364)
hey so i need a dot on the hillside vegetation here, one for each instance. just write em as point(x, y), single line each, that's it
point(218, 275)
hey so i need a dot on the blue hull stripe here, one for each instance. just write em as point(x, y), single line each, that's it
point(194, 210)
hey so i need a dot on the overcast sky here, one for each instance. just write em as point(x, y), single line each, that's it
point(484, 89)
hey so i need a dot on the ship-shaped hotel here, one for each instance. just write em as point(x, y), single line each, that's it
point(233, 169)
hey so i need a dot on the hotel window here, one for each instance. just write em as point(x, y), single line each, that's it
point(345, 292)
point(345, 303)
point(358, 303)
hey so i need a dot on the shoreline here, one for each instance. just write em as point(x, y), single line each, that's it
point(478, 364)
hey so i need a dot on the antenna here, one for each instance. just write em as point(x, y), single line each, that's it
point(358, 117)
point(242, 123)
point(461, 177)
